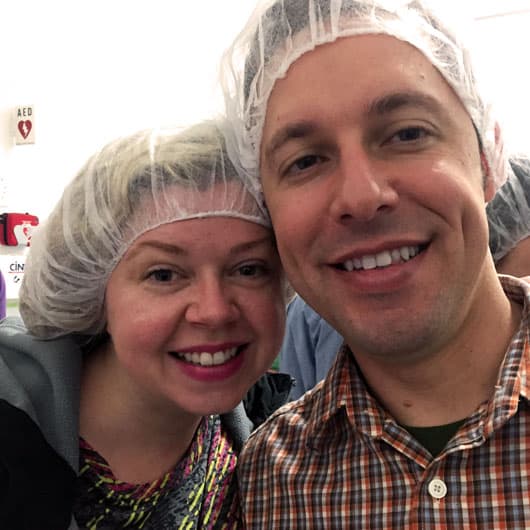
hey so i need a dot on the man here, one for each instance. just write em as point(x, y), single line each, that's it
point(310, 344)
point(375, 152)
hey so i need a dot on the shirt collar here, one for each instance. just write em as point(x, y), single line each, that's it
point(344, 397)
point(513, 383)
point(344, 402)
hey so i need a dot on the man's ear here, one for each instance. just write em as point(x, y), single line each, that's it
point(487, 178)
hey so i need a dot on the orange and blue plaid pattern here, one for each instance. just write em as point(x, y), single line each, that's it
point(335, 459)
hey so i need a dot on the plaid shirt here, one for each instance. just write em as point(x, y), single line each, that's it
point(334, 459)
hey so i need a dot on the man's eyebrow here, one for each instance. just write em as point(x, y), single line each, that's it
point(289, 132)
point(396, 100)
point(380, 106)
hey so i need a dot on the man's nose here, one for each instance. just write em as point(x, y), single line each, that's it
point(362, 187)
point(212, 304)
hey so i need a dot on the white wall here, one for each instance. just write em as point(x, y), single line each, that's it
point(502, 46)
point(96, 70)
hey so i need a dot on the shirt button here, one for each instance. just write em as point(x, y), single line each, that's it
point(437, 488)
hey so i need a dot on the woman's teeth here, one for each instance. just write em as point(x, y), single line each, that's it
point(208, 359)
point(381, 259)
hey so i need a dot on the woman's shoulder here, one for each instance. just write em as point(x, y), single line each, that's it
point(42, 378)
point(15, 336)
point(24, 356)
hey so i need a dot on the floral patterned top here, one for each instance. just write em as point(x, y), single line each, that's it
point(199, 493)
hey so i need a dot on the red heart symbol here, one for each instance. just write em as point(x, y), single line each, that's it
point(24, 128)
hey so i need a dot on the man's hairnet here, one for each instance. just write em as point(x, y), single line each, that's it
point(132, 185)
point(280, 31)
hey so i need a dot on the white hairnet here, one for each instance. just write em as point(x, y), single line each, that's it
point(280, 31)
point(509, 210)
point(132, 185)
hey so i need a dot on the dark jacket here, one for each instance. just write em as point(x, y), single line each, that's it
point(39, 419)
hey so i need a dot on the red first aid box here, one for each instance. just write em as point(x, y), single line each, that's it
point(16, 228)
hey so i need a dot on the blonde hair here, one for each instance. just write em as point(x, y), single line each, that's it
point(132, 185)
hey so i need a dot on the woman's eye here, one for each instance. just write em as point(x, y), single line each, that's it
point(162, 275)
point(251, 270)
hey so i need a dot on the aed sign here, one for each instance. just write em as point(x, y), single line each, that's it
point(24, 120)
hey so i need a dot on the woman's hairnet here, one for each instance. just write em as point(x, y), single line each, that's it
point(509, 210)
point(132, 185)
point(280, 31)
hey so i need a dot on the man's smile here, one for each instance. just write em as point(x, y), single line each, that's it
point(381, 259)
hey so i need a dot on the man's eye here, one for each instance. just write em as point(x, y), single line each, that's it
point(410, 134)
point(304, 163)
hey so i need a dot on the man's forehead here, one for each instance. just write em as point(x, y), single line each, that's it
point(364, 51)
point(407, 79)
point(283, 31)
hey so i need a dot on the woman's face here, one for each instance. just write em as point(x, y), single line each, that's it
point(195, 311)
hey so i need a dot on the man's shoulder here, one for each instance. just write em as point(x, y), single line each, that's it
point(516, 288)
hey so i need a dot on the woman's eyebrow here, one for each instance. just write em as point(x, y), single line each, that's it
point(249, 245)
point(180, 251)
point(165, 247)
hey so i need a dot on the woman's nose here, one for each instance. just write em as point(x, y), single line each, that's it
point(213, 304)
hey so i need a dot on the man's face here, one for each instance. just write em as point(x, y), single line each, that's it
point(372, 174)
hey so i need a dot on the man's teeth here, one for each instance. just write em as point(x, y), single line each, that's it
point(381, 259)
point(208, 359)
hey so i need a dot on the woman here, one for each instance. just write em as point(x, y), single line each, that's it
point(159, 265)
